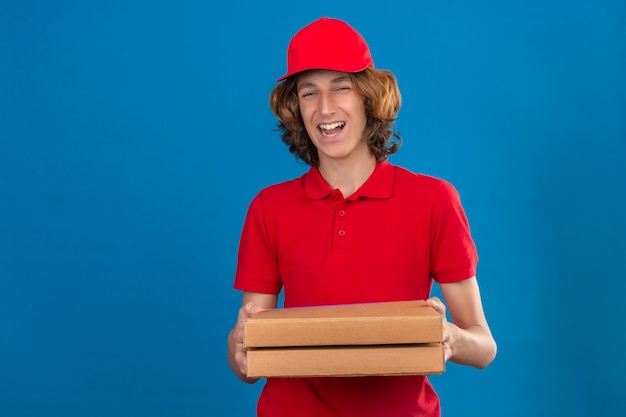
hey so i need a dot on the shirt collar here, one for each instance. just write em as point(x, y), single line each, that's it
point(378, 185)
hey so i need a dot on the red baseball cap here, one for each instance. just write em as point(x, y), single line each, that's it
point(329, 44)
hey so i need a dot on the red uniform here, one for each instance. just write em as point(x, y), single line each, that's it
point(386, 242)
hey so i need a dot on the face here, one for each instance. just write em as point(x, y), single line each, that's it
point(334, 115)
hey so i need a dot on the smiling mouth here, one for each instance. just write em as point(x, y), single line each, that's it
point(331, 129)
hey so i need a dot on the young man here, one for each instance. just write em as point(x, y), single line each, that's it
point(353, 229)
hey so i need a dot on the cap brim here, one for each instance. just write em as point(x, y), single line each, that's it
point(327, 68)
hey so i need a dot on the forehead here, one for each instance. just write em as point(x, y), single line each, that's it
point(317, 77)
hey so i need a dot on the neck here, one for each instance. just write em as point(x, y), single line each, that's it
point(347, 177)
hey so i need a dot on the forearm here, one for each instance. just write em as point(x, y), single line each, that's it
point(467, 338)
point(473, 346)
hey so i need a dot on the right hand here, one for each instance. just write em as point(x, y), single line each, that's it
point(236, 351)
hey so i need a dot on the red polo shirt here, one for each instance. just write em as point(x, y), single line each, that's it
point(386, 242)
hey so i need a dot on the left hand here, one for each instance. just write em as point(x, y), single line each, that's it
point(447, 327)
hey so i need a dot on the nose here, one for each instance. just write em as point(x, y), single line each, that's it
point(326, 104)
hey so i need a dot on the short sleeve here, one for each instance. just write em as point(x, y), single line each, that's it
point(453, 255)
point(257, 263)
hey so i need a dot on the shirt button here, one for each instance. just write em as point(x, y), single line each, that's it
point(342, 232)
point(342, 213)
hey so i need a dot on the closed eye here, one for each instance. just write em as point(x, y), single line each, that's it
point(308, 94)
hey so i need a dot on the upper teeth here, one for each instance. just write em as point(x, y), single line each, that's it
point(331, 125)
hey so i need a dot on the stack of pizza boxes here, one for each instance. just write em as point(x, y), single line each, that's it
point(387, 338)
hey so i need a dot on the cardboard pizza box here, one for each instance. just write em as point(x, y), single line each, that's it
point(346, 361)
point(397, 322)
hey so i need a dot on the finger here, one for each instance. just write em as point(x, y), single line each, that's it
point(436, 303)
point(238, 334)
point(245, 312)
point(251, 309)
point(433, 301)
point(447, 352)
point(242, 361)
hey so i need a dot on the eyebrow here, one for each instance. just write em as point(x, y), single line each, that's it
point(333, 81)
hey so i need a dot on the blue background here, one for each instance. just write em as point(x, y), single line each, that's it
point(134, 134)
